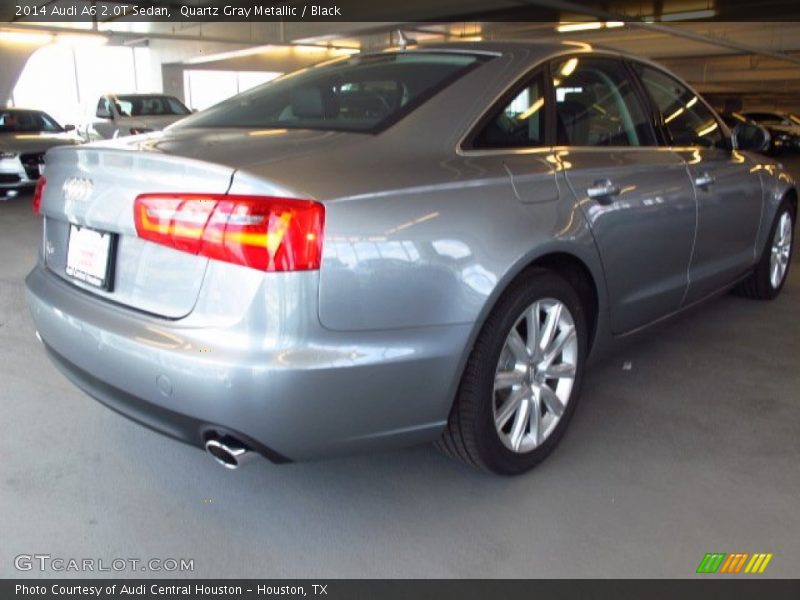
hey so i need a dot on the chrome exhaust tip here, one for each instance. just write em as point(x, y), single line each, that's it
point(229, 452)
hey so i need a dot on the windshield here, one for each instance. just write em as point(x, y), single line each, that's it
point(27, 121)
point(142, 106)
point(361, 94)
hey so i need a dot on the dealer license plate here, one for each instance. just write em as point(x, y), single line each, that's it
point(88, 256)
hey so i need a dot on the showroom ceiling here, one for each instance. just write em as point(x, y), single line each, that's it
point(760, 61)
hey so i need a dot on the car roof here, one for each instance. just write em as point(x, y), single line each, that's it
point(534, 48)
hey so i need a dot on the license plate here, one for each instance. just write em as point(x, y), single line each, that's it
point(89, 256)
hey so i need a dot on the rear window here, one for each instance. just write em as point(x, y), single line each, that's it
point(360, 94)
point(142, 106)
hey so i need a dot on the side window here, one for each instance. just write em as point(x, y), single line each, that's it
point(688, 121)
point(520, 123)
point(596, 105)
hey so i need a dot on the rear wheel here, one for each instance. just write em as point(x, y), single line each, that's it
point(769, 276)
point(522, 379)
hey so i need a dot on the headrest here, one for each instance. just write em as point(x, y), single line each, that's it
point(314, 103)
point(307, 103)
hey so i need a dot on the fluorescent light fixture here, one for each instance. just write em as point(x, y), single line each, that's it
point(567, 27)
point(588, 26)
point(80, 40)
point(24, 37)
point(692, 102)
point(568, 67)
point(284, 48)
point(675, 115)
point(690, 15)
point(533, 109)
point(707, 130)
point(226, 55)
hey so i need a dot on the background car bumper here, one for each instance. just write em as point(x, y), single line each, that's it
point(14, 178)
point(332, 393)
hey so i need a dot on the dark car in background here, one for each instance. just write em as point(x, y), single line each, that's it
point(25, 135)
point(783, 127)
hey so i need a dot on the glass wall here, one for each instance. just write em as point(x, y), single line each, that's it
point(204, 88)
point(67, 81)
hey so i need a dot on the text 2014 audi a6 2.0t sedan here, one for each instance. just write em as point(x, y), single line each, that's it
point(421, 245)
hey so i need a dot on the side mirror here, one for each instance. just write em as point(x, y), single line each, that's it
point(69, 127)
point(751, 137)
point(104, 113)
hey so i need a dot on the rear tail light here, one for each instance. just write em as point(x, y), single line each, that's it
point(37, 195)
point(262, 232)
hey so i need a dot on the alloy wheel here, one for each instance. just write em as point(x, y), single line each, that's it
point(535, 375)
point(781, 249)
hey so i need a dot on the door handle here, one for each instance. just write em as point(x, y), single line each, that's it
point(704, 180)
point(603, 191)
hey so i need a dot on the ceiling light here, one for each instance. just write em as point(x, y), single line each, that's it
point(690, 15)
point(23, 37)
point(567, 27)
point(533, 109)
point(81, 40)
point(568, 67)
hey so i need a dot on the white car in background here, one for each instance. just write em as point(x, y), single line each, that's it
point(132, 114)
point(25, 136)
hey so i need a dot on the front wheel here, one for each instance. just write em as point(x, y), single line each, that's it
point(523, 377)
point(769, 276)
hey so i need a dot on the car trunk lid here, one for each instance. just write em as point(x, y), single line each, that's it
point(94, 187)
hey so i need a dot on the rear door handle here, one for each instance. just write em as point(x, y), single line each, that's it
point(603, 191)
point(704, 180)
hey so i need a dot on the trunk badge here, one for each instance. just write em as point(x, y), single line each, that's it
point(77, 189)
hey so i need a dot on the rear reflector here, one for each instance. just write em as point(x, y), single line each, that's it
point(37, 195)
point(262, 232)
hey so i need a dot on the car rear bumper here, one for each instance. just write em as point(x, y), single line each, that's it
point(318, 393)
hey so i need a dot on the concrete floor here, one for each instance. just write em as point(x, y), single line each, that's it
point(695, 449)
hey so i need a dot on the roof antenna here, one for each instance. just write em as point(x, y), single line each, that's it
point(404, 41)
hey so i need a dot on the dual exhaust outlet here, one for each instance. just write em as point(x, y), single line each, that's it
point(229, 452)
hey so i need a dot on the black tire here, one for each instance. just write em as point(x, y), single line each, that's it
point(758, 285)
point(470, 435)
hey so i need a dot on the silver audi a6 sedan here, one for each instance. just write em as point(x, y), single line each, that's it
point(411, 246)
